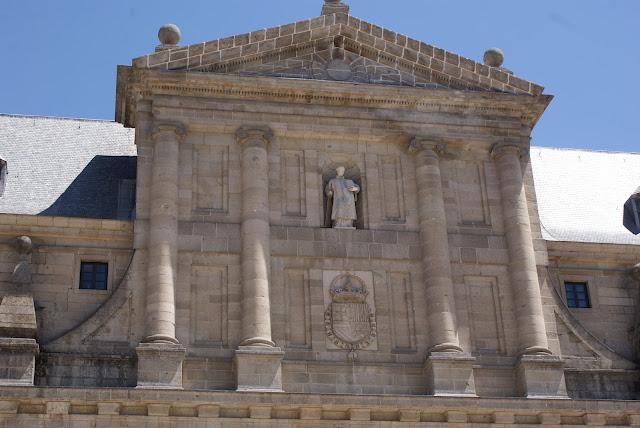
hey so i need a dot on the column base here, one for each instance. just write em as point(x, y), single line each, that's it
point(17, 361)
point(541, 376)
point(160, 365)
point(450, 374)
point(259, 368)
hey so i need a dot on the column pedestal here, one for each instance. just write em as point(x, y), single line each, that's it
point(541, 376)
point(18, 346)
point(259, 368)
point(160, 365)
point(450, 374)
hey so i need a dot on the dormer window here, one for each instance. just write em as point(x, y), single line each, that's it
point(3, 175)
point(632, 213)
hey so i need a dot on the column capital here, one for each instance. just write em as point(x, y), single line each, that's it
point(422, 144)
point(254, 135)
point(177, 128)
point(505, 147)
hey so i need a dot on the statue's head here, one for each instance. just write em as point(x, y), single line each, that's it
point(340, 171)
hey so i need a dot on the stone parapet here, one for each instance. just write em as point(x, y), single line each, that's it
point(31, 407)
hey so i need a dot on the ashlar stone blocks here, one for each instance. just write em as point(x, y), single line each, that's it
point(160, 365)
point(450, 374)
point(541, 376)
point(259, 368)
point(18, 347)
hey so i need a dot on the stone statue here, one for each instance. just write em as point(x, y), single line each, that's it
point(342, 193)
point(22, 272)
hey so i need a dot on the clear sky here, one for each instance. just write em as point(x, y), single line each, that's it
point(59, 57)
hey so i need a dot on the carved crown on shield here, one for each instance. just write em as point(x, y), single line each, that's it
point(348, 288)
point(349, 321)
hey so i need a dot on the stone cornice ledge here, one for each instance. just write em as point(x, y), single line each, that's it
point(135, 84)
point(194, 405)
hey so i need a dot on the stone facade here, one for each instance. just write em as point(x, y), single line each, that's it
point(231, 301)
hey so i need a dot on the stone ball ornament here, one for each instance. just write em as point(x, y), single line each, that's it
point(493, 57)
point(169, 34)
point(23, 245)
point(635, 272)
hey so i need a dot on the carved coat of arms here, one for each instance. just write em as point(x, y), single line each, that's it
point(349, 321)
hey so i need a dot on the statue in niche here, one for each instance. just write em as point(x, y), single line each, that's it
point(342, 194)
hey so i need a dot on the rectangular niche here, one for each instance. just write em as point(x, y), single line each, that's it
point(485, 315)
point(402, 314)
point(211, 178)
point(209, 305)
point(294, 201)
point(298, 308)
point(471, 194)
point(391, 189)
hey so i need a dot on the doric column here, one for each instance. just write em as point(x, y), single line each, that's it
point(160, 356)
point(256, 311)
point(258, 361)
point(532, 335)
point(436, 265)
point(163, 235)
point(448, 369)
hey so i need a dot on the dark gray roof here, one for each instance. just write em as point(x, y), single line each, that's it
point(66, 167)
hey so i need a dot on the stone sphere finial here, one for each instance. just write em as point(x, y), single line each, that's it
point(635, 272)
point(169, 34)
point(23, 245)
point(493, 57)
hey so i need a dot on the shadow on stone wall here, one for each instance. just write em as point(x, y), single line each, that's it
point(105, 189)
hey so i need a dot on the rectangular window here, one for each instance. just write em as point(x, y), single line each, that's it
point(93, 275)
point(577, 294)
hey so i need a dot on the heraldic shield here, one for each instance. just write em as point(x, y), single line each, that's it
point(349, 321)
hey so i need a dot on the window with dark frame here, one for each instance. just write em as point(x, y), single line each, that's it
point(577, 295)
point(93, 275)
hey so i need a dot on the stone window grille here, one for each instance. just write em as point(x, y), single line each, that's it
point(94, 275)
point(3, 175)
point(577, 294)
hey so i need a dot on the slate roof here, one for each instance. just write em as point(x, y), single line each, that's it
point(581, 194)
point(65, 167)
point(72, 167)
point(296, 50)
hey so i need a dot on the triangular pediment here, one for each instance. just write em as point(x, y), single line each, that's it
point(338, 47)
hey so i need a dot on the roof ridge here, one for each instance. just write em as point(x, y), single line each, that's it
point(35, 116)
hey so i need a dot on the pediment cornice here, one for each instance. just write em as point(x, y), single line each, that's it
point(415, 61)
point(137, 84)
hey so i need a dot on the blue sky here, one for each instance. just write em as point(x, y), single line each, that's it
point(60, 57)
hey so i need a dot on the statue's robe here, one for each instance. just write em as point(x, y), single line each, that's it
point(343, 200)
